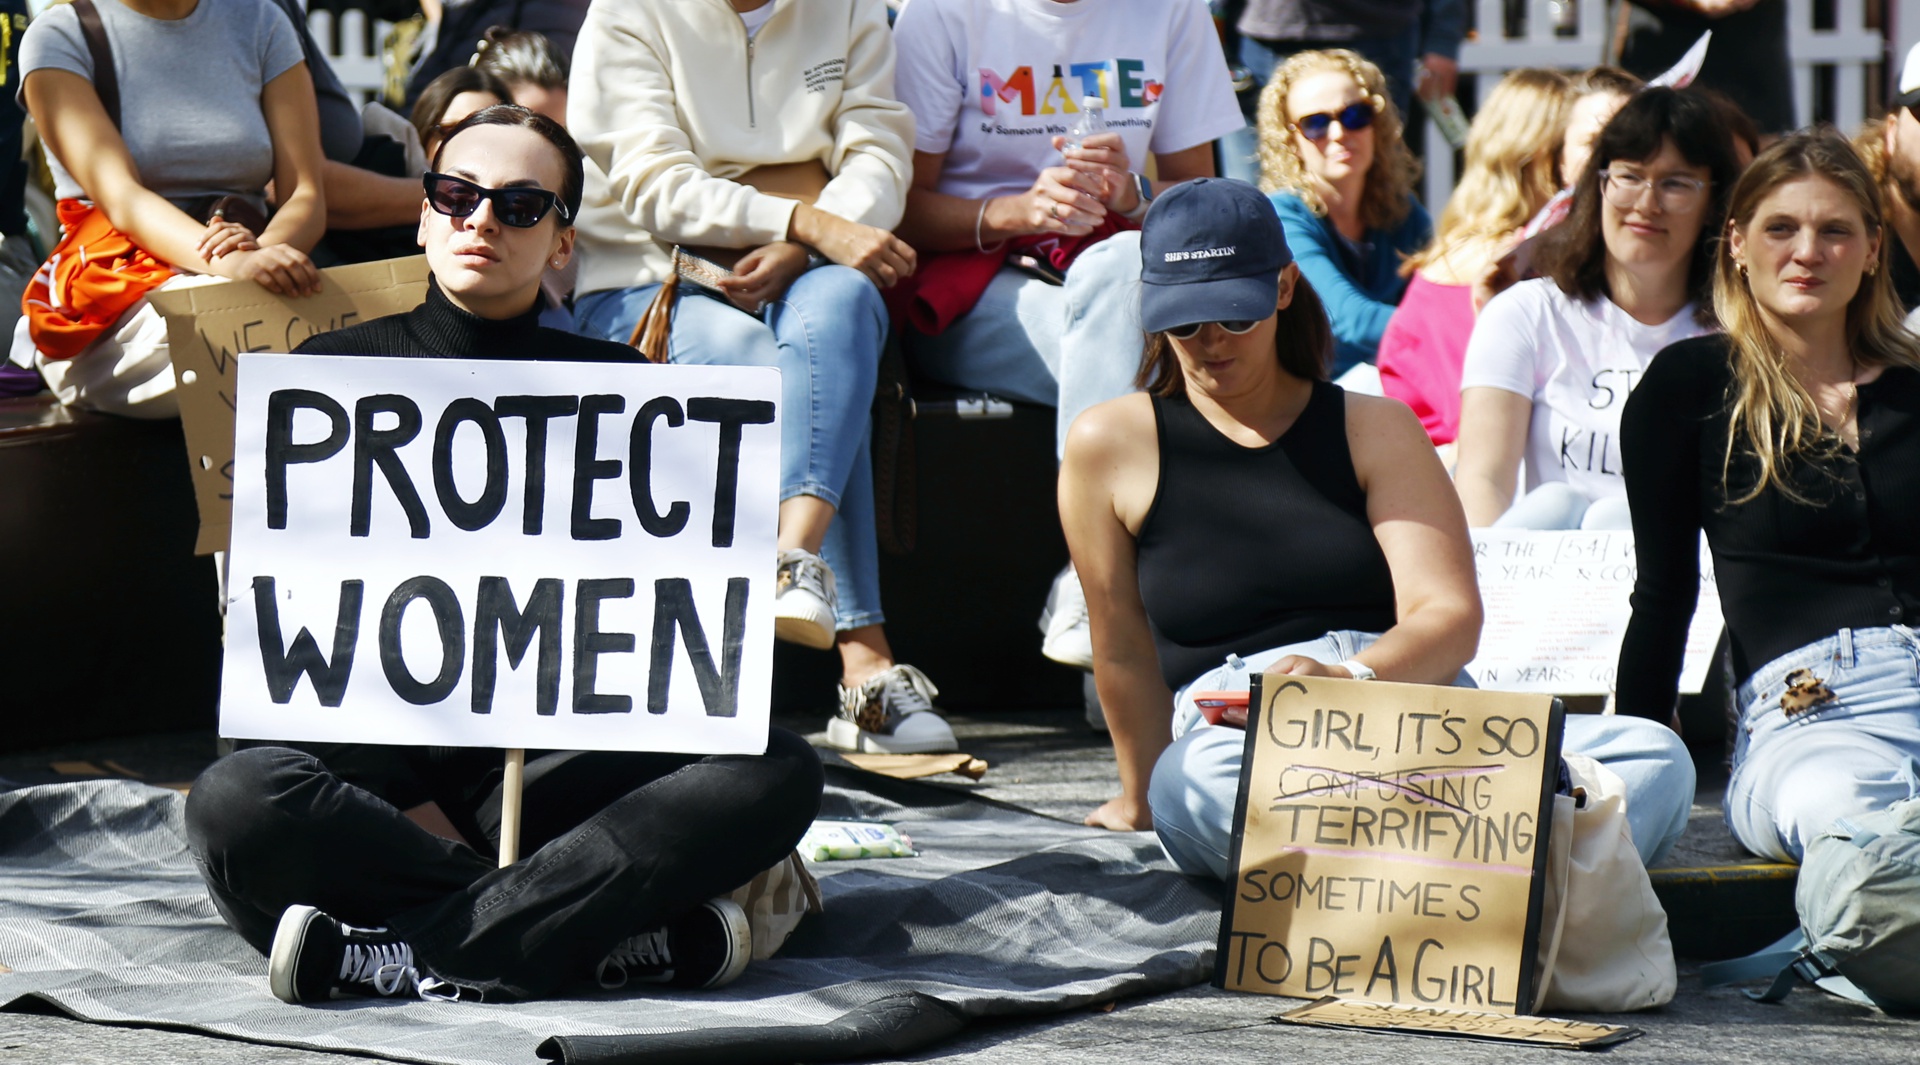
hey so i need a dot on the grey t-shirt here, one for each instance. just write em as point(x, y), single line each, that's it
point(190, 88)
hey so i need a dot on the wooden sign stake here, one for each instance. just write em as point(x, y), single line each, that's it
point(510, 806)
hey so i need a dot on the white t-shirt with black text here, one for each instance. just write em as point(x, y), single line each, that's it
point(1576, 360)
point(991, 82)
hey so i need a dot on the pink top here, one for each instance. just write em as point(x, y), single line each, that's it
point(1422, 351)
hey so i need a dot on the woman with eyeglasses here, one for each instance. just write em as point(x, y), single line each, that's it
point(1341, 176)
point(1245, 514)
point(763, 138)
point(373, 870)
point(1552, 360)
point(1793, 442)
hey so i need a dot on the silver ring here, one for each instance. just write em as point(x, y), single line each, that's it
point(1056, 212)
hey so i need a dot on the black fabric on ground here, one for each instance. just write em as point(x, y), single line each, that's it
point(1006, 913)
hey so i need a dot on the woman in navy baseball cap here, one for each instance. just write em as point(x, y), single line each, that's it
point(1245, 515)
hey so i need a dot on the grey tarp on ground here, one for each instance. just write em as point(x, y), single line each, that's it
point(102, 914)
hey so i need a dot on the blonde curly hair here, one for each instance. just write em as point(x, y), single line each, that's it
point(1388, 193)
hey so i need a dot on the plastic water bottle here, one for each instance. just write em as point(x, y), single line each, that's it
point(1092, 120)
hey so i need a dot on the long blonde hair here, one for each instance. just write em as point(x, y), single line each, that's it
point(1772, 412)
point(1388, 192)
point(1513, 150)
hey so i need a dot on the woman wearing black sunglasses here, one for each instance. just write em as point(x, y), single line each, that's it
point(370, 871)
point(1341, 176)
point(1244, 513)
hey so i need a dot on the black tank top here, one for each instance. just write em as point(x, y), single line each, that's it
point(1247, 549)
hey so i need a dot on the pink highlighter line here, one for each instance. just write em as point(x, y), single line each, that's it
point(1410, 859)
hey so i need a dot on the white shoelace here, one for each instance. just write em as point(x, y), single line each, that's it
point(905, 690)
point(387, 966)
point(647, 948)
point(809, 573)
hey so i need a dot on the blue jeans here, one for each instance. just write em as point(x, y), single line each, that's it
point(825, 336)
point(1197, 780)
point(1793, 776)
point(1067, 346)
point(1558, 505)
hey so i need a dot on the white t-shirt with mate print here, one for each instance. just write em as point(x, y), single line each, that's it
point(991, 82)
point(1576, 360)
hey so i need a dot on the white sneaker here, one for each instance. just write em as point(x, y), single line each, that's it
point(892, 713)
point(1069, 637)
point(804, 597)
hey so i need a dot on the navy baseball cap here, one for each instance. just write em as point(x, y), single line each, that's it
point(1211, 250)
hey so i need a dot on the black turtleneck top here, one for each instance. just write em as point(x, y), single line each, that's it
point(439, 330)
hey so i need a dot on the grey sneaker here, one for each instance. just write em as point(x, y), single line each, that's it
point(804, 597)
point(892, 713)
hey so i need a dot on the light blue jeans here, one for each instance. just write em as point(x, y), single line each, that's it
point(825, 336)
point(1065, 346)
point(1794, 775)
point(1558, 505)
point(1197, 780)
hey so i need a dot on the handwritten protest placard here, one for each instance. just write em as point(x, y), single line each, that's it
point(1557, 607)
point(209, 326)
point(504, 554)
point(1390, 843)
point(1491, 1027)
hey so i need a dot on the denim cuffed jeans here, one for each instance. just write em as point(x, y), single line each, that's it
point(1794, 775)
point(1197, 780)
point(825, 335)
point(1066, 346)
point(615, 842)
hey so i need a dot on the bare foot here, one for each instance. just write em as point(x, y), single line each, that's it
point(1121, 814)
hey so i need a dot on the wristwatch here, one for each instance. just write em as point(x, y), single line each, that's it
point(1359, 670)
point(1145, 188)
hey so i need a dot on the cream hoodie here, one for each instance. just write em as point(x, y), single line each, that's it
point(670, 102)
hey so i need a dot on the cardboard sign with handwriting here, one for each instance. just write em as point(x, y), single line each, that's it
point(1491, 1027)
point(209, 326)
point(1390, 843)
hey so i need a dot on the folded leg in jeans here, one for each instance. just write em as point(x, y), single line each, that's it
point(1197, 780)
point(615, 843)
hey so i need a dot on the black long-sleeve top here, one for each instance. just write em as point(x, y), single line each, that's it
point(1789, 572)
point(439, 330)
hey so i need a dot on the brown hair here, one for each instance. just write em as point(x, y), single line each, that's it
point(1387, 195)
point(1771, 409)
point(1302, 342)
point(520, 57)
point(1513, 149)
point(1574, 253)
point(573, 179)
point(433, 101)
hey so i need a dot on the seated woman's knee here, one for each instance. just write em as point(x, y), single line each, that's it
point(230, 806)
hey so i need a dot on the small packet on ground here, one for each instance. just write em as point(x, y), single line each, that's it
point(843, 840)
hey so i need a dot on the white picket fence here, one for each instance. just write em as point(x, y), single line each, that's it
point(1842, 55)
point(353, 49)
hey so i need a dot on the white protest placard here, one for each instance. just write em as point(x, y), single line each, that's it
point(502, 554)
point(1557, 605)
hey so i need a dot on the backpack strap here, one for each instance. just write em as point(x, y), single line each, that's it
point(105, 82)
point(1787, 962)
point(1779, 962)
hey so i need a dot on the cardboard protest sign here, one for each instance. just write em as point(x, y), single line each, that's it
point(1557, 607)
point(1491, 1027)
point(503, 554)
point(1390, 843)
point(209, 326)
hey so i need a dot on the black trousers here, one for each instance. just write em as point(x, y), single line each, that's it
point(614, 843)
